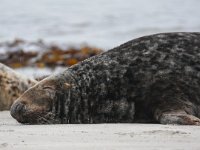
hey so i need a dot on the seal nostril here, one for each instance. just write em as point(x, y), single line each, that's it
point(19, 107)
point(17, 110)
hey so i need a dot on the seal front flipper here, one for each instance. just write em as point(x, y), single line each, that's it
point(176, 117)
point(173, 107)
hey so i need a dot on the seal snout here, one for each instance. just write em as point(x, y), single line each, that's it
point(17, 110)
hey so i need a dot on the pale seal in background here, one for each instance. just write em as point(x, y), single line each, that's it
point(154, 78)
point(12, 85)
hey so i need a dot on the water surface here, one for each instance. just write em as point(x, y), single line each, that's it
point(101, 23)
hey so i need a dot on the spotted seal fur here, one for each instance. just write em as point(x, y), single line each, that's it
point(153, 79)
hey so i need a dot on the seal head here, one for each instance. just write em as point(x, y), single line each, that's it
point(40, 104)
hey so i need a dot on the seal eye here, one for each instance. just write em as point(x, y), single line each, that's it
point(50, 90)
point(48, 87)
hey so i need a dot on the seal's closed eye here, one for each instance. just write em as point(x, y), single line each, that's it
point(50, 90)
point(48, 87)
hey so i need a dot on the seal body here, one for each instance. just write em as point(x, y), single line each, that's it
point(150, 79)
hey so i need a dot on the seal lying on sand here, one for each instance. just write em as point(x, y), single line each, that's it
point(150, 79)
point(12, 85)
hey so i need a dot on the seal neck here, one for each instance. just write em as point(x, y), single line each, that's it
point(68, 99)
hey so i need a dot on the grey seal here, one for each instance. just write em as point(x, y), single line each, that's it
point(151, 79)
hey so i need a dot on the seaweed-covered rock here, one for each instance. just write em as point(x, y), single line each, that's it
point(21, 53)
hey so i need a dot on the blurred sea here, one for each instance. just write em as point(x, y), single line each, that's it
point(100, 23)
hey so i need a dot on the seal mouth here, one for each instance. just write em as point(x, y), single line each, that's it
point(17, 110)
point(22, 114)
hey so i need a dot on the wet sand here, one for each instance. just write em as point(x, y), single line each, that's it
point(96, 136)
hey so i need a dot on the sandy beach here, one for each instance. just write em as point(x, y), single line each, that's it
point(96, 136)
